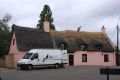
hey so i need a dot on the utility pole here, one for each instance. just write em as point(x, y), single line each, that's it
point(117, 50)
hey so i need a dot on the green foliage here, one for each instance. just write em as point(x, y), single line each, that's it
point(46, 12)
point(4, 43)
point(4, 35)
point(3, 23)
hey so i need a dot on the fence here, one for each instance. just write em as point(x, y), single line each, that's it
point(2, 62)
point(9, 61)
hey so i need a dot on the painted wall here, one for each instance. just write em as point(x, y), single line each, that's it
point(18, 56)
point(13, 48)
point(94, 58)
point(14, 51)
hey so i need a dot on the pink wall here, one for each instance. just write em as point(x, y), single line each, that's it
point(17, 57)
point(13, 48)
point(94, 58)
point(14, 51)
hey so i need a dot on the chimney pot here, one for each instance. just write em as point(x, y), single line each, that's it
point(103, 29)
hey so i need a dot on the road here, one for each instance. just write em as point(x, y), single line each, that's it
point(68, 73)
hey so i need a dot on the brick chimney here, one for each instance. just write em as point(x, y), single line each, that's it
point(46, 25)
point(103, 29)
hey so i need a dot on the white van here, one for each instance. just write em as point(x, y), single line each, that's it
point(43, 57)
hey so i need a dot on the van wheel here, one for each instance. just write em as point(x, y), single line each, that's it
point(30, 67)
point(57, 66)
point(62, 65)
point(21, 68)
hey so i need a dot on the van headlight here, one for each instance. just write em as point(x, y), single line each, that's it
point(21, 62)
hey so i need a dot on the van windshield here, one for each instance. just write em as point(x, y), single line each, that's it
point(27, 56)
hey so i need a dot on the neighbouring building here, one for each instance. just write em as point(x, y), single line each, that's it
point(84, 48)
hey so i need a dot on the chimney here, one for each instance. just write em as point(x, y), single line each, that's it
point(103, 29)
point(46, 24)
point(78, 29)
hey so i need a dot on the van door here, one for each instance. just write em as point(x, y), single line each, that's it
point(35, 59)
point(48, 59)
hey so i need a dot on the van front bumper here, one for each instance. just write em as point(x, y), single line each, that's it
point(22, 66)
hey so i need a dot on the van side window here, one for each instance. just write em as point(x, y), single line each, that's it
point(35, 56)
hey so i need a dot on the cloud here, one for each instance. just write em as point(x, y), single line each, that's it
point(67, 15)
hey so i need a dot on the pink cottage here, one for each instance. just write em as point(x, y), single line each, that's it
point(84, 48)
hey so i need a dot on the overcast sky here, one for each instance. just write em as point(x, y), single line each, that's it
point(67, 14)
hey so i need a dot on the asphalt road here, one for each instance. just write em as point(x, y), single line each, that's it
point(68, 73)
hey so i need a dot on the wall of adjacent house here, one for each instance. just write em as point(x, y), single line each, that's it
point(94, 58)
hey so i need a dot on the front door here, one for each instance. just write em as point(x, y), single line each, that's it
point(71, 60)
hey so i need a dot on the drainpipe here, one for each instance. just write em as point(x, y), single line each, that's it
point(117, 50)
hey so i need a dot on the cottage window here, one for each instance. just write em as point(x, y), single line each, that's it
point(106, 58)
point(84, 57)
point(62, 46)
point(13, 41)
point(98, 47)
point(83, 47)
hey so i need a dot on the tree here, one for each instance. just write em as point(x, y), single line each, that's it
point(4, 35)
point(46, 12)
point(4, 22)
point(4, 43)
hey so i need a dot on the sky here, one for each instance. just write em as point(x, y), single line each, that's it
point(91, 15)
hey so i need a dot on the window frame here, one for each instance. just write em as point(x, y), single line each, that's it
point(106, 58)
point(34, 57)
point(84, 57)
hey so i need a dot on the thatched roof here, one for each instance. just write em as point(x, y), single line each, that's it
point(74, 39)
point(29, 38)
